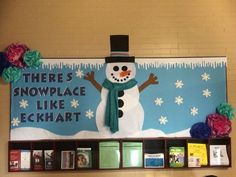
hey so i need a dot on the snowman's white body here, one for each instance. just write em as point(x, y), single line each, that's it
point(133, 115)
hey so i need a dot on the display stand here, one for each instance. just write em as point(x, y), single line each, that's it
point(149, 146)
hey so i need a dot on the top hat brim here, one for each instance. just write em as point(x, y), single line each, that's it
point(120, 59)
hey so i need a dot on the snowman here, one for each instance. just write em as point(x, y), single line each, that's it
point(120, 114)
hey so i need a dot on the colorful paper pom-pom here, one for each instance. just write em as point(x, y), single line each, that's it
point(220, 125)
point(200, 130)
point(3, 62)
point(32, 58)
point(15, 52)
point(11, 74)
point(226, 110)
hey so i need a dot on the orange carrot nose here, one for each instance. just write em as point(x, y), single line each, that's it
point(125, 73)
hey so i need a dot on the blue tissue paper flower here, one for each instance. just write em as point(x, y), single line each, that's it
point(200, 130)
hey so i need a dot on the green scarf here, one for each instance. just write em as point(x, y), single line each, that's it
point(111, 114)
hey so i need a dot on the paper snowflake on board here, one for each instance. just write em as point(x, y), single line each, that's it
point(159, 101)
point(15, 122)
point(23, 104)
point(179, 100)
point(89, 114)
point(206, 93)
point(163, 120)
point(74, 103)
point(179, 84)
point(194, 111)
point(205, 77)
point(79, 73)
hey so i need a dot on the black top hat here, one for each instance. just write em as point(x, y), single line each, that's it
point(119, 49)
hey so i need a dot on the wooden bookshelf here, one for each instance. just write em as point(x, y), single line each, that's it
point(149, 146)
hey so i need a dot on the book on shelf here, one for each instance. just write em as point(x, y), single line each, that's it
point(25, 159)
point(132, 154)
point(49, 159)
point(218, 155)
point(84, 157)
point(197, 154)
point(176, 156)
point(14, 160)
point(154, 160)
point(68, 159)
point(37, 159)
point(109, 155)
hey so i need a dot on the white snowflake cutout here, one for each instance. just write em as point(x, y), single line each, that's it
point(206, 93)
point(205, 77)
point(79, 73)
point(179, 84)
point(89, 114)
point(23, 104)
point(179, 100)
point(194, 111)
point(163, 120)
point(159, 101)
point(15, 122)
point(74, 103)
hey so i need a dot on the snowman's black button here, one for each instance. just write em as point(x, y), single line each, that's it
point(120, 113)
point(120, 103)
point(120, 93)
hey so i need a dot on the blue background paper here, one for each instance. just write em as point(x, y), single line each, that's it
point(179, 116)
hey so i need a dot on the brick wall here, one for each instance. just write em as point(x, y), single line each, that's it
point(160, 28)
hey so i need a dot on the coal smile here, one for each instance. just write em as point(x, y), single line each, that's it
point(120, 80)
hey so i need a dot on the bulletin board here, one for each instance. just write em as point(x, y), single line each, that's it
point(55, 101)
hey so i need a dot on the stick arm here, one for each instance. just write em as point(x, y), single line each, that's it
point(151, 80)
point(90, 77)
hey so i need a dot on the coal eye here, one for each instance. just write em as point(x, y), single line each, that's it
point(115, 68)
point(124, 68)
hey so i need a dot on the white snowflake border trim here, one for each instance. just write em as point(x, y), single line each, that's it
point(141, 62)
point(181, 62)
point(73, 63)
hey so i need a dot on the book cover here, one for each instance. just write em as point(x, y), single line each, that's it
point(14, 160)
point(109, 155)
point(218, 155)
point(197, 154)
point(176, 156)
point(154, 160)
point(49, 159)
point(25, 160)
point(132, 154)
point(84, 157)
point(68, 159)
point(37, 159)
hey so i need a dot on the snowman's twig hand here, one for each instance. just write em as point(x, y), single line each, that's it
point(152, 79)
point(90, 77)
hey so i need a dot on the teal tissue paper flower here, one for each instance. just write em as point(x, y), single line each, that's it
point(11, 74)
point(226, 110)
point(32, 58)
